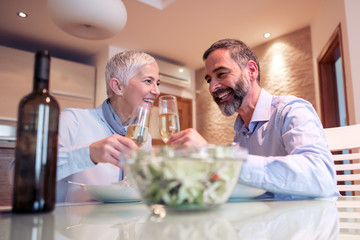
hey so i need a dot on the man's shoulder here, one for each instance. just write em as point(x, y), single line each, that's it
point(280, 102)
point(292, 106)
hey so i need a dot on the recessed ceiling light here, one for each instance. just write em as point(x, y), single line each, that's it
point(22, 14)
point(267, 35)
point(181, 70)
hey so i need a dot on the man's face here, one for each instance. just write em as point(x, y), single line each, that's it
point(227, 83)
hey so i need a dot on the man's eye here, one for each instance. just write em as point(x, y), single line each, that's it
point(208, 80)
point(221, 75)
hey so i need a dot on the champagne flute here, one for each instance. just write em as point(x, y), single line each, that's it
point(139, 124)
point(168, 117)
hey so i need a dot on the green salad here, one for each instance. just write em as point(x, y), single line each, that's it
point(192, 181)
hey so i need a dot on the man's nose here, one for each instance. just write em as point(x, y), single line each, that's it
point(214, 85)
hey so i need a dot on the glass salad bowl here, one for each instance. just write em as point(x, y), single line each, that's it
point(186, 179)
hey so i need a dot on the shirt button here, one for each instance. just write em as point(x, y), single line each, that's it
point(248, 176)
point(283, 185)
point(247, 136)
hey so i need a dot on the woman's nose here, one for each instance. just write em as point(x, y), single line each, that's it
point(155, 90)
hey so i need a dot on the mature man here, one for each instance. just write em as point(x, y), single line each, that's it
point(288, 153)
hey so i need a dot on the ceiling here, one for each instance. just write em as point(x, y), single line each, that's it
point(180, 33)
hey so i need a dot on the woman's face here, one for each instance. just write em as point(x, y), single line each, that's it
point(143, 87)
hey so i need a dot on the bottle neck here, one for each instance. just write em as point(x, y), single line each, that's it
point(41, 73)
point(41, 86)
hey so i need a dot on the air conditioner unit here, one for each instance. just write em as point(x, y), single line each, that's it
point(174, 74)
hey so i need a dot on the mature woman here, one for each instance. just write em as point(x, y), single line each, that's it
point(91, 140)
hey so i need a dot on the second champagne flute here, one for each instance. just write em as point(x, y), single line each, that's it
point(168, 117)
point(139, 124)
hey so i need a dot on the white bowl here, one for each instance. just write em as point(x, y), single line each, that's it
point(112, 193)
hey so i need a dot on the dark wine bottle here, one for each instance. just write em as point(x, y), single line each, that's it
point(36, 145)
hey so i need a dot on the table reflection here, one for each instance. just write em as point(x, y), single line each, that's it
point(201, 225)
point(273, 220)
point(242, 220)
point(102, 221)
point(299, 220)
point(32, 227)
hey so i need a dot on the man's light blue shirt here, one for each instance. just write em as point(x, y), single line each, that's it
point(288, 152)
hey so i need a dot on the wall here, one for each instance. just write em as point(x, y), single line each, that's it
point(286, 65)
point(286, 68)
point(352, 8)
point(99, 61)
point(330, 14)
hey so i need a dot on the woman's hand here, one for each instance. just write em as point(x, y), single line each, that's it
point(187, 138)
point(110, 149)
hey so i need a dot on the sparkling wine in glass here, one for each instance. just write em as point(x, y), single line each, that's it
point(139, 124)
point(168, 117)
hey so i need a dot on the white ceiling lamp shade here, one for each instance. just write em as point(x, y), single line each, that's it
point(89, 19)
point(159, 4)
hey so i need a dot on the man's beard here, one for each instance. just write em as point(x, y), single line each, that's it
point(229, 107)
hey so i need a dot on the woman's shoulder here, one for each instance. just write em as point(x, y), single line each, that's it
point(79, 115)
point(79, 111)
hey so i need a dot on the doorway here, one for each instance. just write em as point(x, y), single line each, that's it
point(333, 102)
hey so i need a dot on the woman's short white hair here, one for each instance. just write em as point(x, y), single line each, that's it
point(124, 65)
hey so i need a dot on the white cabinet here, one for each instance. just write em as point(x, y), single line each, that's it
point(72, 79)
point(71, 83)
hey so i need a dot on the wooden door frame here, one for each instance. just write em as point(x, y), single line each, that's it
point(327, 80)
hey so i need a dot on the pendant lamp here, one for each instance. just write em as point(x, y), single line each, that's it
point(88, 19)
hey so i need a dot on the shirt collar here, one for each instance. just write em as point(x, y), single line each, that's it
point(262, 112)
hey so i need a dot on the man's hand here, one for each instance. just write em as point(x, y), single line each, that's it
point(188, 137)
point(109, 150)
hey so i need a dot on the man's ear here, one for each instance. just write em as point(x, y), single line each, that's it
point(116, 86)
point(253, 69)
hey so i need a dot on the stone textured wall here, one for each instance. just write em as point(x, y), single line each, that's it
point(286, 65)
point(286, 68)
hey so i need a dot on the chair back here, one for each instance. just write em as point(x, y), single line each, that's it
point(344, 144)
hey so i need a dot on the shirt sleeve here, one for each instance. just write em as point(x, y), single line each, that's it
point(72, 158)
point(307, 170)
